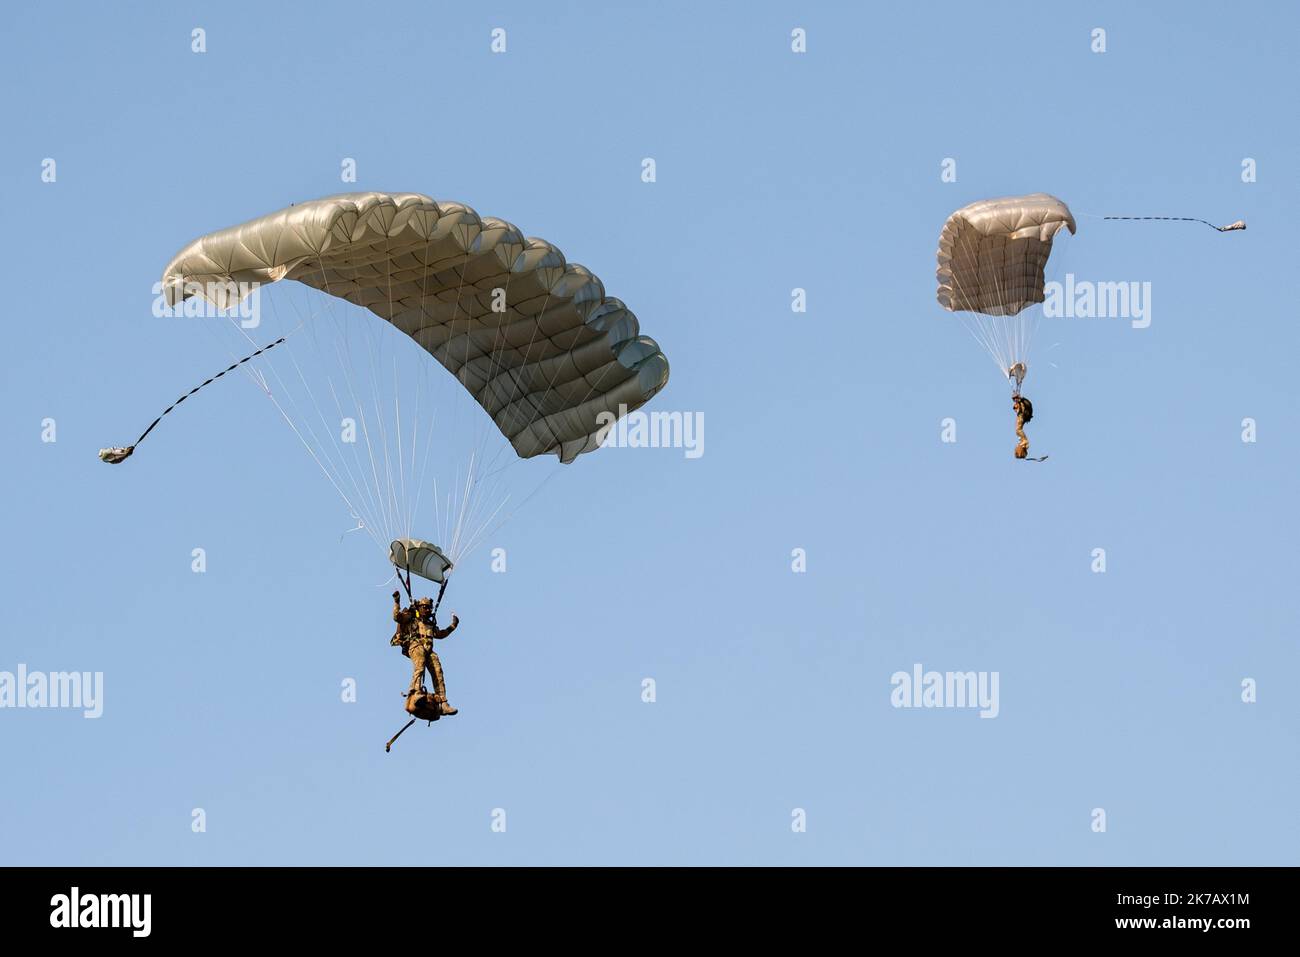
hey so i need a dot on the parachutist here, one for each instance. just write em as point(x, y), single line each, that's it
point(417, 629)
point(1024, 412)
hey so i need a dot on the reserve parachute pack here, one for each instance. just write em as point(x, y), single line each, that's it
point(417, 557)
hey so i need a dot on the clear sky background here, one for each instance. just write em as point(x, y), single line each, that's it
point(821, 171)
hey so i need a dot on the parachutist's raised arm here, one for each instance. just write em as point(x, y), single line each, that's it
point(444, 632)
point(400, 616)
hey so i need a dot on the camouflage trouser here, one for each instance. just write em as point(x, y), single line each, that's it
point(1022, 447)
point(423, 656)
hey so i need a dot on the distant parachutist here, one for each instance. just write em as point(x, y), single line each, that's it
point(1024, 412)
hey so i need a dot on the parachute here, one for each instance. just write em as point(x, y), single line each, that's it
point(554, 355)
point(991, 261)
point(530, 338)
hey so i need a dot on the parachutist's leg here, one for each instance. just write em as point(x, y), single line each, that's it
point(1022, 447)
point(435, 671)
point(417, 668)
point(439, 685)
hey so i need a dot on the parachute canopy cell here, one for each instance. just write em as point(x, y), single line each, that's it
point(533, 338)
point(420, 558)
point(992, 253)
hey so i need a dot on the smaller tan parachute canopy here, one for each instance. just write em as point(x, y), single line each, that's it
point(421, 558)
point(992, 253)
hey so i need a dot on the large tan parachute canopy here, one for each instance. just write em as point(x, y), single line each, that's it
point(559, 355)
point(992, 253)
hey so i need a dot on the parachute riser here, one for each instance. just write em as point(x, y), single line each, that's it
point(442, 588)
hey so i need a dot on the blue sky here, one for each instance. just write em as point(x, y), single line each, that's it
point(774, 171)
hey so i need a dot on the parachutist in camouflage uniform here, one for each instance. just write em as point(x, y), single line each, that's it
point(416, 632)
point(1024, 412)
